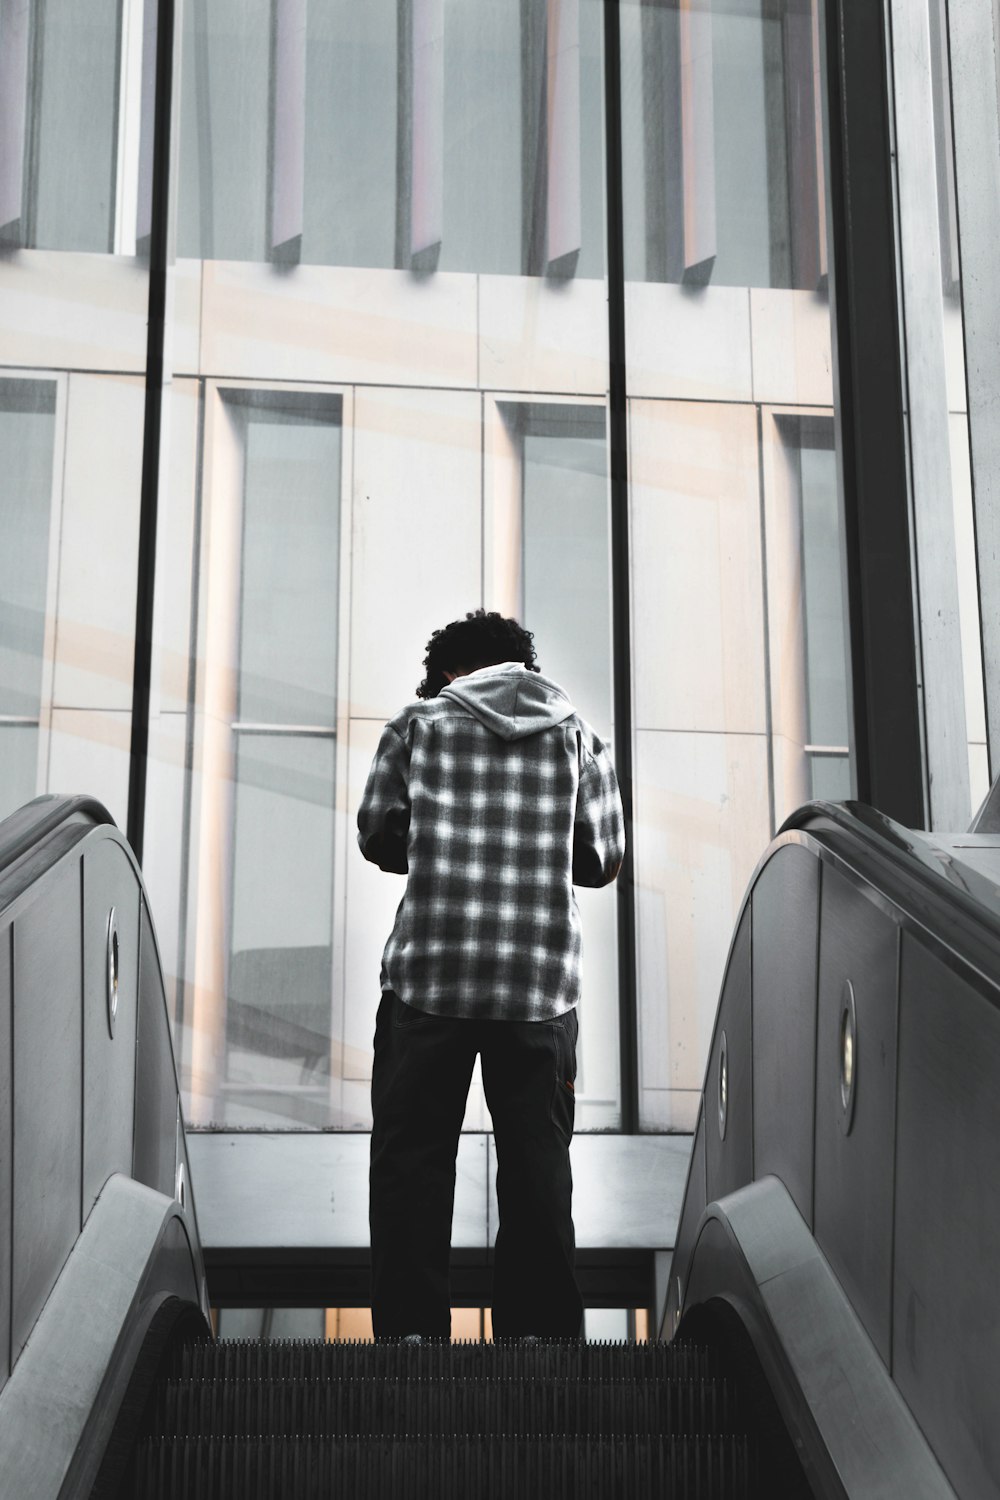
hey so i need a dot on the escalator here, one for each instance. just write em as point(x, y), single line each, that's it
point(449, 1421)
point(832, 1325)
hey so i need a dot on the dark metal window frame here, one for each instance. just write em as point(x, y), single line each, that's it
point(871, 446)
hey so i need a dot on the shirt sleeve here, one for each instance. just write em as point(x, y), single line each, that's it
point(384, 814)
point(599, 828)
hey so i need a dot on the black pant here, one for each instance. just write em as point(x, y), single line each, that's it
point(420, 1082)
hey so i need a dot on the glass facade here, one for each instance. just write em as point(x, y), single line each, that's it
point(386, 403)
point(76, 107)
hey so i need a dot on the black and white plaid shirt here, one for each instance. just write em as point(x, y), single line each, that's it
point(495, 798)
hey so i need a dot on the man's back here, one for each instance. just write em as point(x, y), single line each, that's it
point(495, 797)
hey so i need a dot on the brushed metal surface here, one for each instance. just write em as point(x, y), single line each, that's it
point(308, 1191)
point(6, 1140)
point(945, 1309)
point(854, 1173)
point(729, 1162)
point(785, 931)
point(154, 1139)
point(694, 1202)
point(303, 1191)
point(849, 1422)
point(627, 1190)
point(109, 880)
point(47, 1053)
point(69, 1363)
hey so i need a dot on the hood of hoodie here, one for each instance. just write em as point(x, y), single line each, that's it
point(510, 700)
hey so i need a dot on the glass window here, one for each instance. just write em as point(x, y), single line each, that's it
point(822, 585)
point(58, 166)
point(432, 136)
point(567, 565)
point(271, 799)
point(429, 134)
point(723, 140)
point(740, 675)
point(556, 578)
point(291, 545)
point(809, 685)
point(27, 435)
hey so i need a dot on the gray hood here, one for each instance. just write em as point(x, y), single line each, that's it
point(510, 700)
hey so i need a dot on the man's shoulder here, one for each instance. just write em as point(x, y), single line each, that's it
point(421, 710)
point(590, 741)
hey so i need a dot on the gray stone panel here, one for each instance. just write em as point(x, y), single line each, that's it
point(310, 1191)
point(854, 1172)
point(47, 1103)
point(785, 930)
point(627, 1190)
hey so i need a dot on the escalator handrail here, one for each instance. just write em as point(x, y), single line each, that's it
point(25, 828)
point(958, 907)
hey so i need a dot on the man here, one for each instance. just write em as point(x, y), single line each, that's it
point(494, 797)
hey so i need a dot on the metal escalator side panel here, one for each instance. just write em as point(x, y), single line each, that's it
point(854, 1432)
point(59, 1404)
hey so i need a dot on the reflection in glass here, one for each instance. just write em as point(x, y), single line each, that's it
point(566, 567)
point(830, 776)
point(18, 765)
point(27, 434)
point(291, 537)
point(565, 599)
point(280, 967)
point(824, 604)
point(722, 123)
point(429, 134)
point(810, 674)
point(281, 532)
point(60, 124)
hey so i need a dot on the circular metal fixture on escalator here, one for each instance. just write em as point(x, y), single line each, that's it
point(112, 971)
point(180, 1191)
point(848, 1038)
point(723, 1087)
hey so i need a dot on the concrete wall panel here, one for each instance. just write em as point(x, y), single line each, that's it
point(688, 343)
point(73, 311)
point(701, 822)
point(99, 542)
point(416, 548)
point(338, 324)
point(539, 335)
point(792, 355)
point(698, 624)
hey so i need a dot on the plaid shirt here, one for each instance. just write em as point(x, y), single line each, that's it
point(495, 798)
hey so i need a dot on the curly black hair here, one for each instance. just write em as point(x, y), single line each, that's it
point(480, 640)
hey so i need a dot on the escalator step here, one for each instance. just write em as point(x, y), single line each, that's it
point(449, 1468)
point(217, 1408)
point(306, 1359)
